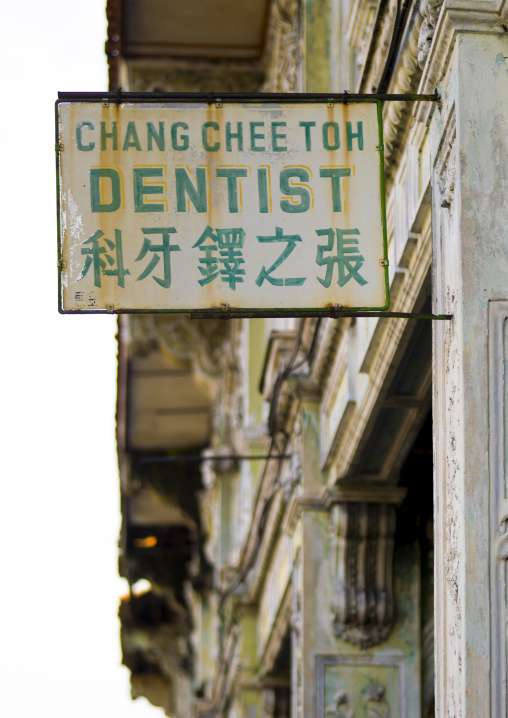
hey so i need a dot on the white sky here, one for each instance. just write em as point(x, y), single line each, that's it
point(59, 496)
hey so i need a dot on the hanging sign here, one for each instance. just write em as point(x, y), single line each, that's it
point(187, 206)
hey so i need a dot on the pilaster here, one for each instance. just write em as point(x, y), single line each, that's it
point(355, 615)
point(469, 147)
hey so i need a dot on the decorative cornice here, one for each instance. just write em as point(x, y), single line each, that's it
point(371, 493)
point(343, 492)
point(456, 16)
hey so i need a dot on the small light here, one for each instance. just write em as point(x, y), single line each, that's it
point(141, 586)
point(147, 542)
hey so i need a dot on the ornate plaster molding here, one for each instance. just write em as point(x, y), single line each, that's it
point(380, 45)
point(343, 492)
point(406, 74)
point(283, 48)
point(200, 343)
point(362, 538)
point(430, 10)
point(194, 76)
point(456, 16)
point(397, 115)
point(359, 28)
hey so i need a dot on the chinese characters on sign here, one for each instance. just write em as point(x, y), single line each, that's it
point(224, 248)
point(183, 207)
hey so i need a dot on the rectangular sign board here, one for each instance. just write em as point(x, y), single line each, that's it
point(181, 206)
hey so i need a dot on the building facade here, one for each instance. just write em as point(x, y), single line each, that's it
point(319, 505)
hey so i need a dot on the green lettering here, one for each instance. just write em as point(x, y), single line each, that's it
point(335, 143)
point(291, 191)
point(232, 174)
point(179, 143)
point(111, 135)
point(204, 134)
point(141, 189)
point(266, 274)
point(97, 177)
point(277, 136)
point(131, 137)
point(263, 190)
point(255, 136)
point(351, 135)
point(238, 135)
point(307, 126)
point(335, 174)
point(79, 137)
point(185, 187)
point(157, 137)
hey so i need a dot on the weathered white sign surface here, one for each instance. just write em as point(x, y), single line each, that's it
point(189, 206)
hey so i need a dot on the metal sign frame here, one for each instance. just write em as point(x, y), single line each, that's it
point(226, 311)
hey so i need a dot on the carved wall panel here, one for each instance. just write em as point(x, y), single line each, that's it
point(361, 686)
